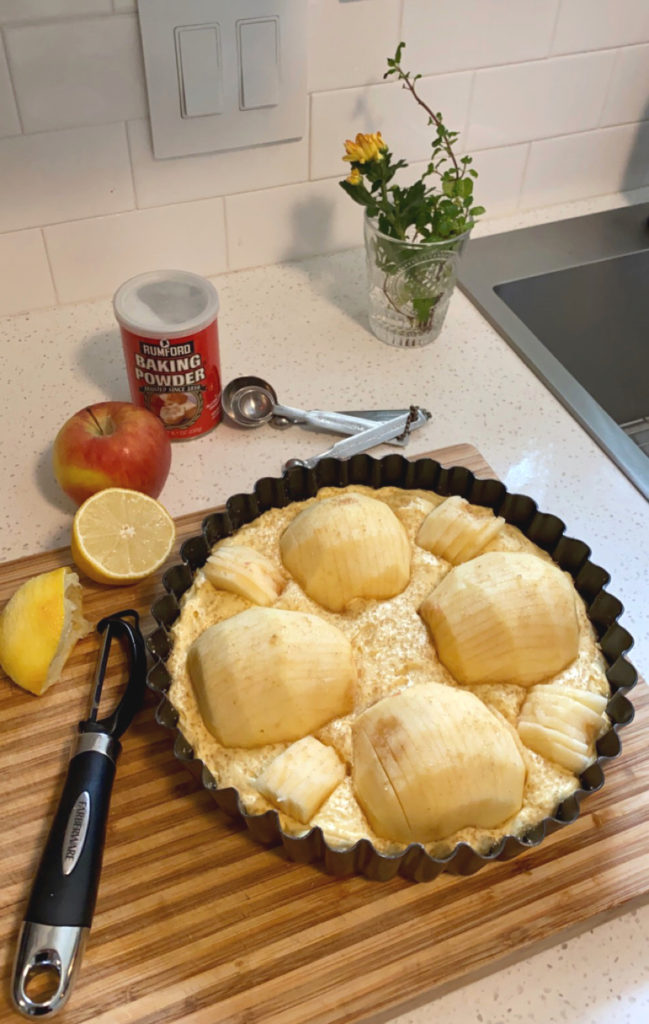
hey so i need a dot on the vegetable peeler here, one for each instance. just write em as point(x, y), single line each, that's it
point(381, 432)
point(62, 900)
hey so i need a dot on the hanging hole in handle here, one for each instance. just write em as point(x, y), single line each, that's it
point(42, 982)
point(46, 953)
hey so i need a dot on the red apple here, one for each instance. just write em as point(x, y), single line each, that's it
point(111, 444)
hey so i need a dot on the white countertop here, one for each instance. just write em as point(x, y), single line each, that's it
point(302, 326)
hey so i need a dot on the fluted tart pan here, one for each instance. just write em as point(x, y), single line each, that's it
point(544, 529)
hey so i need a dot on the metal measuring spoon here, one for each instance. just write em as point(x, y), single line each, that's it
point(251, 402)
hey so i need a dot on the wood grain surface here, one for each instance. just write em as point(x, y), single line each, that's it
point(196, 923)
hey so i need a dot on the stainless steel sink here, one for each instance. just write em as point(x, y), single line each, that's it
point(572, 299)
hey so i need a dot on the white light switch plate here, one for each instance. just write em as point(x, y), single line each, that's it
point(223, 74)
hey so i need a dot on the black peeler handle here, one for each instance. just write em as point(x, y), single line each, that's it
point(62, 901)
point(65, 887)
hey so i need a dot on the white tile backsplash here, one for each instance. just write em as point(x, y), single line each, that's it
point(345, 40)
point(500, 178)
point(550, 96)
point(25, 281)
point(27, 10)
point(596, 24)
point(77, 72)
point(628, 96)
point(291, 223)
point(339, 115)
point(588, 164)
point(9, 121)
point(539, 99)
point(450, 35)
point(499, 181)
point(59, 176)
point(189, 236)
point(158, 182)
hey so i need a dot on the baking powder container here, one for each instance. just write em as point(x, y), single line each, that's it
point(168, 320)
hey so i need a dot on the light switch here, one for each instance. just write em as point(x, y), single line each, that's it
point(198, 52)
point(258, 62)
point(223, 74)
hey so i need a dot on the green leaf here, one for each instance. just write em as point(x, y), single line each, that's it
point(423, 307)
point(360, 195)
point(465, 188)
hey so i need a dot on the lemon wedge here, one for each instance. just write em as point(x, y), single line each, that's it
point(39, 626)
point(121, 536)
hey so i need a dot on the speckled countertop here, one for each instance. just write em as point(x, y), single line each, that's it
point(303, 327)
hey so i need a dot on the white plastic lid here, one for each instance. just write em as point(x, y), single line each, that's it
point(166, 304)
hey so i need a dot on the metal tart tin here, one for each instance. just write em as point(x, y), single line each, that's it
point(544, 529)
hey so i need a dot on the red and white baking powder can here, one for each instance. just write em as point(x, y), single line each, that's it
point(168, 320)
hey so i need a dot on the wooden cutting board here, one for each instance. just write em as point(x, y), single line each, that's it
point(196, 923)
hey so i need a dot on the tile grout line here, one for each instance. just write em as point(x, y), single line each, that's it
point(561, 135)
point(555, 26)
point(226, 230)
point(309, 169)
point(608, 89)
point(12, 84)
point(402, 18)
point(131, 168)
point(526, 165)
point(469, 105)
point(48, 257)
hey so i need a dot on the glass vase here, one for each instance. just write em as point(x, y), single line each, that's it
point(410, 285)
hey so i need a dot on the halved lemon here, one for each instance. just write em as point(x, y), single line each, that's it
point(39, 626)
point(121, 536)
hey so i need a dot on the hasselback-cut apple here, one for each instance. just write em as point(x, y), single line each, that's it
point(268, 675)
point(345, 547)
point(457, 531)
point(562, 723)
point(243, 571)
point(433, 759)
point(504, 617)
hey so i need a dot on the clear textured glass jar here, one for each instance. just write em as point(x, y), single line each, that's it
point(410, 285)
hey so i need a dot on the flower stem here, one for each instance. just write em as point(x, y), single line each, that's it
point(388, 211)
point(407, 84)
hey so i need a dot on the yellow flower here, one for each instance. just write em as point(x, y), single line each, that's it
point(365, 148)
point(354, 177)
